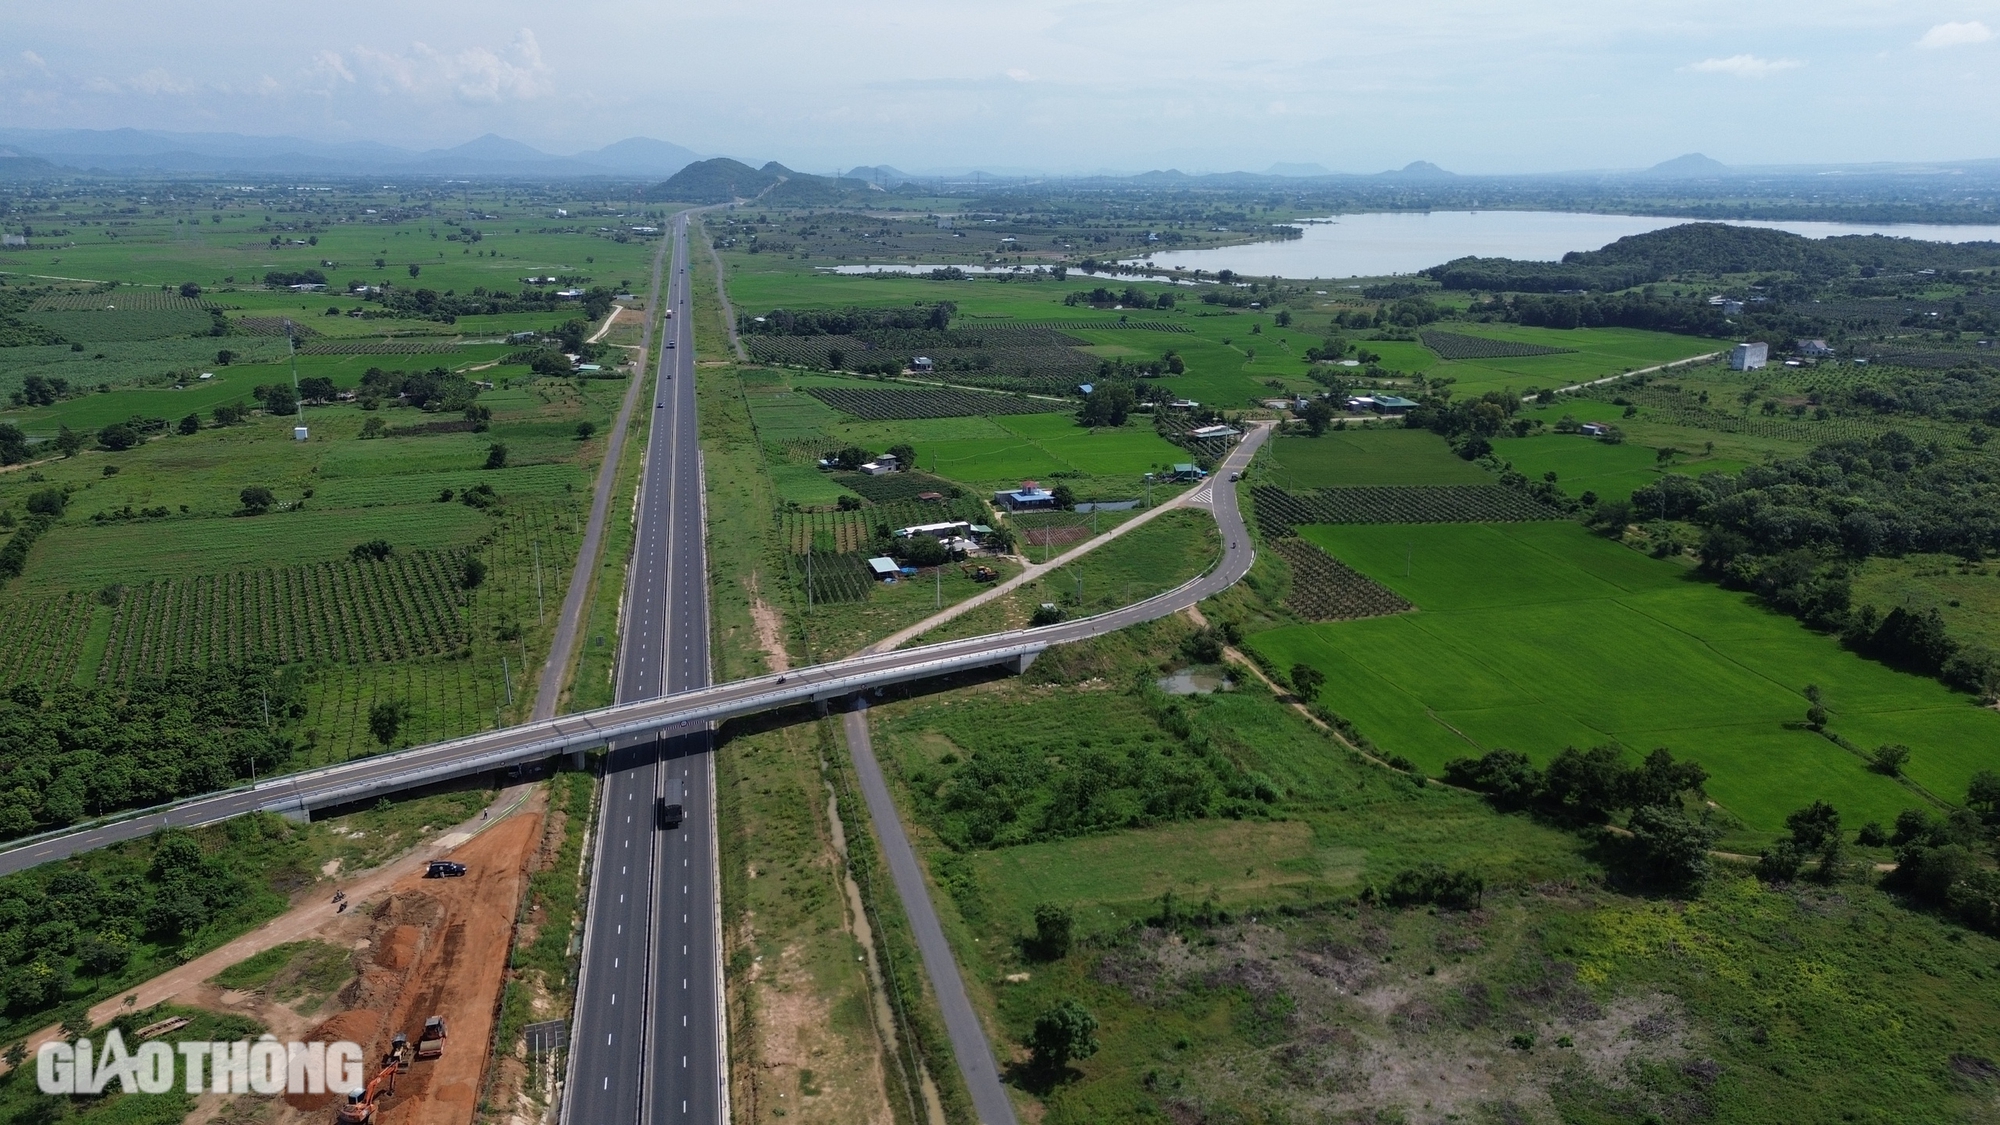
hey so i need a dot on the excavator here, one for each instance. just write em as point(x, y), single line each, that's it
point(360, 1107)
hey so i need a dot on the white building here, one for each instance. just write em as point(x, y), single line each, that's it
point(1749, 357)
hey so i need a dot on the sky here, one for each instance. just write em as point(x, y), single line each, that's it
point(1496, 86)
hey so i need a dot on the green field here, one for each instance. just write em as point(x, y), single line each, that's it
point(1233, 356)
point(1596, 353)
point(1540, 636)
point(1583, 464)
point(1348, 458)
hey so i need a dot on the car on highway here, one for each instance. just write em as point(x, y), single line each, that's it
point(670, 343)
point(669, 814)
point(444, 869)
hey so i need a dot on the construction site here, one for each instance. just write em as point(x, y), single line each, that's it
point(409, 960)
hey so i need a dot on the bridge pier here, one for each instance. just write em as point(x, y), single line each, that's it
point(1021, 662)
point(576, 760)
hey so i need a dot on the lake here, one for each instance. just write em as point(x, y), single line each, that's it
point(1382, 244)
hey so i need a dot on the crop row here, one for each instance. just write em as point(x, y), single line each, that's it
point(42, 638)
point(1326, 589)
point(123, 324)
point(891, 487)
point(835, 532)
point(1456, 345)
point(136, 300)
point(378, 347)
point(1279, 511)
point(829, 579)
point(273, 326)
point(341, 611)
point(892, 405)
point(1100, 325)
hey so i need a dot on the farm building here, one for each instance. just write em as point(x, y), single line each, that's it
point(1813, 349)
point(922, 363)
point(934, 530)
point(1382, 404)
point(1027, 498)
point(1185, 404)
point(1188, 472)
point(882, 568)
point(1749, 357)
point(1593, 429)
point(1209, 433)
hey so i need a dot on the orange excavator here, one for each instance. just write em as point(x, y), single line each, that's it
point(360, 1107)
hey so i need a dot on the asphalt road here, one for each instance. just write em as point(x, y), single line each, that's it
point(961, 1024)
point(646, 1042)
point(570, 618)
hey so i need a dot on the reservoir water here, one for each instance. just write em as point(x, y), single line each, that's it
point(1382, 244)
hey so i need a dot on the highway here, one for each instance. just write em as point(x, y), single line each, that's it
point(646, 1038)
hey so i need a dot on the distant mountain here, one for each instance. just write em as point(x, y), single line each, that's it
point(881, 175)
point(1298, 170)
point(15, 165)
point(146, 150)
point(717, 180)
point(641, 156)
point(1420, 170)
point(1692, 166)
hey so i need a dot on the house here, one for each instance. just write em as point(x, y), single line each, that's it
point(1085, 388)
point(1812, 349)
point(1210, 433)
point(877, 468)
point(1732, 308)
point(1382, 404)
point(1027, 498)
point(883, 568)
point(932, 496)
point(569, 294)
point(1185, 404)
point(922, 363)
point(1186, 472)
point(1594, 429)
point(1749, 357)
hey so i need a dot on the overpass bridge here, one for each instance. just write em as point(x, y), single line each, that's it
point(300, 793)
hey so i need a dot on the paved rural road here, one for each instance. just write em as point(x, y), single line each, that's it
point(647, 1036)
point(961, 1023)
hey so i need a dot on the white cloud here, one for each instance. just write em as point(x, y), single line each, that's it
point(1955, 35)
point(157, 81)
point(1745, 66)
point(474, 74)
point(332, 65)
point(1019, 75)
point(34, 60)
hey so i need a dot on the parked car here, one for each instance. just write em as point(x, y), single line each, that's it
point(444, 869)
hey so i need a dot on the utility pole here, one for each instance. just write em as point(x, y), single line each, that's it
point(939, 574)
point(507, 679)
point(1409, 553)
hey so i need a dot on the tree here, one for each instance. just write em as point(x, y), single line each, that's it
point(472, 574)
point(905, 455)
point(496, 456)
point(415, 269)
point(279, 400)
point(1064, 496)
point(1306, 681)
point(1107, 404)
point(835, 359)
point(47, 502)
point(375, 550)
point(1667, 847)
point(256, 500)
point(385, 719)
point(118, 437)
point(1660, 780)
point(223, 357)
point(1889, 759)
point(1814, 825)
point(189, 425)
point(190, 289)
point(584, 430)
point(1053, 928)
point(68, 442)
point(1064, 1033)
point(1317, 416)
point(1982, 794)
